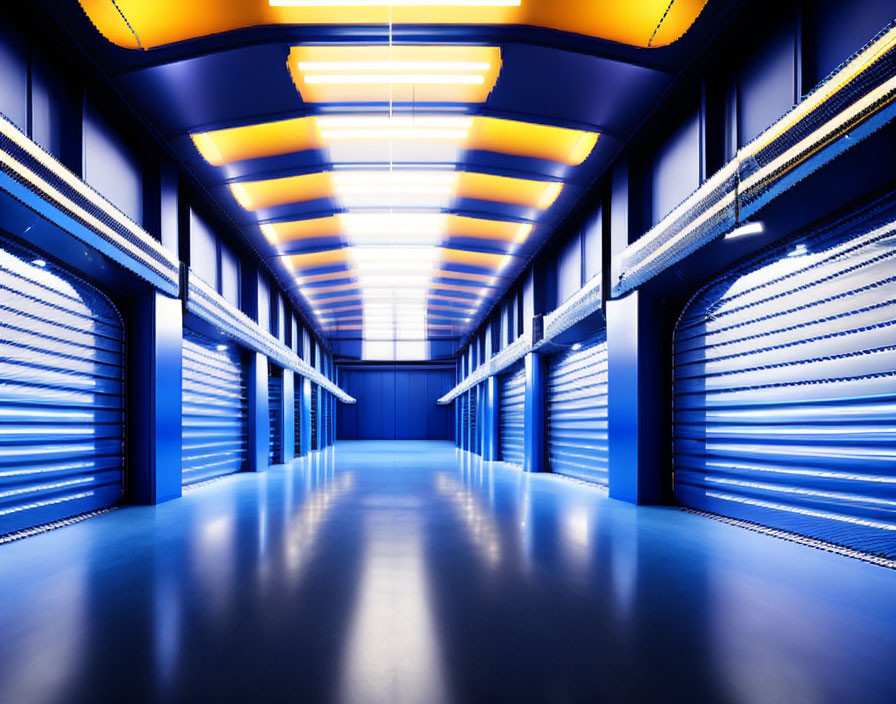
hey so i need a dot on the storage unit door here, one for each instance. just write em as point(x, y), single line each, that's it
point(577, 411)
point(511, 409)
point(474, 419)
point(275, 415)
point(464, 421)
point(215, 413)
point(315, 419)
point(785, 390)
point(327, 418)
point(297, 405)
point(61, 394)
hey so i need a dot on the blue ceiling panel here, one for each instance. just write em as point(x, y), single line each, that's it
point(217, 90)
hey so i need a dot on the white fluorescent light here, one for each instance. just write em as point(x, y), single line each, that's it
point(395, 78)
point(441, 177)
point(394, 133)
point(394, 66)
point(357, 224)
point(748, 228)
point(395, 3)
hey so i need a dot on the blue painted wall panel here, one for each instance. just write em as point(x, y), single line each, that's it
point(230, 276)
point(592, 235)
point(203, 250)
point(767, 84)
point(110, 166)
point(395, 402)
point(13, 78)
point(842, 28)
point(676, 168)
point(569, 269)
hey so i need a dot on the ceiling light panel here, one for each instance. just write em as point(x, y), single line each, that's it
point(647, 23)
point(399, 188)
point(394, 74)
point(399, 138)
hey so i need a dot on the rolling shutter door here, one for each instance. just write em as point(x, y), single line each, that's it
point(61, 394)
point(464, 421)
point(326, 429)
point(314, 417)
point(577, 411)
point(297, 404)
point(275, 415)
point(512, 390)
point(214, 409)
point(785, 391)
point(474, 419)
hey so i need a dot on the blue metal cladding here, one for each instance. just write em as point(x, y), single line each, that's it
point(577, 442)
point(473, 420)
point(785, 389)
point(511, 409)
point(315, 418)
point(61, 394)
point(215, 409)
point(463, 435)
point(275, 418)
point(297, 424)
point(325, 419)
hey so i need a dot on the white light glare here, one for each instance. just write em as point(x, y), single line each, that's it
point(395, 3)
point(395, 78)
point(748, 228)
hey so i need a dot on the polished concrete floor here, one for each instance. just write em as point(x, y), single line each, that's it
point(405, 572)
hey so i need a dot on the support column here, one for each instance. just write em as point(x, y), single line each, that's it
point(533, 416)
point(490, 446)
point(289, 416)
point(259, 420)
point(156, 372)
point(635, 399)
point(306, 415)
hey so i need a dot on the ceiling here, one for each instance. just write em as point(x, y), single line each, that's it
point(397, 166)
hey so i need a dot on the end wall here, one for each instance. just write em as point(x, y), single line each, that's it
point(396, 402)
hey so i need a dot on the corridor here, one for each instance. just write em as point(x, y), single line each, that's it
point(414, 572)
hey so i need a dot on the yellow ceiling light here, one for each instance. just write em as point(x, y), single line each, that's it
point(484, 260)
point(462, 226)
point(302, 229)
point(412, 186)
point(329, 276)
point(559, 144)
point(255, 195)
point(225, 146)
point(566, 146)
point(312, 260)
point(144, 24)
point(503, 189)
point(394, 74)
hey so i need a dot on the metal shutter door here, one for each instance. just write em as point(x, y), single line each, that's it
point(785, 391)
point(474, 419)
point(275, 416)
point(464, 421)
point(314, 417)
point(214, 409)
point(577, 411)
point(297, 405)
point(326, 419)
point(512, 404)
point(61, 394)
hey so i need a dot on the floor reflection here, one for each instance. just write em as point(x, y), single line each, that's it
point(411, 572)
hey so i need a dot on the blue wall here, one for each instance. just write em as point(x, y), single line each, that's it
point(396, 402)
